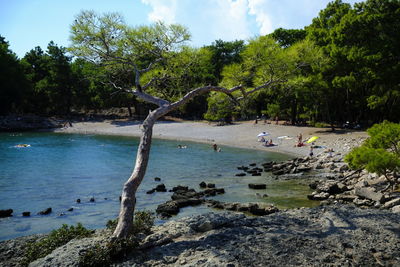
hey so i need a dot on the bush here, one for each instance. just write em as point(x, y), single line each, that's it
point(106, 254)
point(54, 240)
point(116, 249)
point(143, 221)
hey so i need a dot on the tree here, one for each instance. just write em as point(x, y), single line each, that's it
point(380, 153)
point(109, 41)
point(13, 82)
point(288, 37)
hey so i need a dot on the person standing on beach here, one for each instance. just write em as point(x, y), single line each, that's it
point(311, 151)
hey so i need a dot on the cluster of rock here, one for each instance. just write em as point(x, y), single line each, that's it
point(336, 183)
point(9, 213)
point(251, 208)
point(183, 196)
point(362, 189)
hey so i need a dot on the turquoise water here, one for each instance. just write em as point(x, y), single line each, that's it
point(57, 169)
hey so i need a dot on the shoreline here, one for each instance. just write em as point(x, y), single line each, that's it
point(240, 134)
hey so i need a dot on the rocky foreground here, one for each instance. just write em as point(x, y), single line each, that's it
point(324, 236)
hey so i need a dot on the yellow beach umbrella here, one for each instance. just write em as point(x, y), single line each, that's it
point(312, 139)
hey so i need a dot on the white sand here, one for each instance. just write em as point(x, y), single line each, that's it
point(241, 134)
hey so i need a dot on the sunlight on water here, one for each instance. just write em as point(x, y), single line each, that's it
point(57, 169)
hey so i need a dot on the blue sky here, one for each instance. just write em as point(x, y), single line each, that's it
point(29, 23)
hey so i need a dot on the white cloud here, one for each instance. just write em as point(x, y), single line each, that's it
point(162, 10)
point(229, 19)
point(258, 8)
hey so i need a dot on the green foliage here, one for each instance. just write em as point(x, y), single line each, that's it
point(54, 240)
point(379, 153)
point(13, 82)
point(386, 136)
point(116, 249)
point(220, 107)
point(108, 253)
point(288, 37)
point(142, 222)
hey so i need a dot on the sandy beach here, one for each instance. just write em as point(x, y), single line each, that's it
point(239, 134)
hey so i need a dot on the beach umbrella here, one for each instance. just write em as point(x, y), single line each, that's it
point(262, 134)
point(312, 139)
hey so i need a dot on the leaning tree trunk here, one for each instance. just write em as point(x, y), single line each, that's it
point(128, 199)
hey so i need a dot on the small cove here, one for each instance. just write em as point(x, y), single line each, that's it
point(57, 169)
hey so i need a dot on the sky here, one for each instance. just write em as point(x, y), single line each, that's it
point(29, 23)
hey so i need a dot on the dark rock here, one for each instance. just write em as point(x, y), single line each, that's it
point(252, 164)
point(203, 185)
point(210, 185)
point(257, 186)
point(313, 185)
point(70, 209)
point(6, 213)
point(157, 179)
point(45, 212)
point(303, 169)
point(180, 188)
point(92, 199)
point(78, 200)
point(231, 206)
point(240, 174)
point(160, 188)
point(150, 191)
point(256, 174)
point(279, 172)
point(213, 191)
point(188, 202)
point(26, 213)
point(184, 194)
point(169, 207)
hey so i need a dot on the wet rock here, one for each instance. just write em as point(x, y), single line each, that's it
point(92, 199)
point(168, 208)
point(256, 174)
point(203, 185)
point(179, 188)
point(45, 212)
point(257, 186)
point(185, 202)
point(6, 213)
point(70, 209)
point(157, 179)
point(26, 213)
point(252, 164)
point(240, 174)
point(160, 188)
point(151, 191)
point(210, 185)
point(78, 200)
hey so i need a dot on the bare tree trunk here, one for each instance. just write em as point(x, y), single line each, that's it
point(128, 198)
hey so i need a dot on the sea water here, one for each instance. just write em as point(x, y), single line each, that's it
point(57, 169)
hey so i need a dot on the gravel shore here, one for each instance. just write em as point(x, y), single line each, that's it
point(239, 134)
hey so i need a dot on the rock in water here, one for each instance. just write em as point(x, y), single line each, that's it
point(45, 212)
point(6, 213)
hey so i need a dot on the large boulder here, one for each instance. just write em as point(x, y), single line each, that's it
point(168, 208)
point(369, 193)
point(6, 213)
point(45, 212)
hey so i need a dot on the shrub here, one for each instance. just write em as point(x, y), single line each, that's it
point(54, 240)
point(143, 221)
